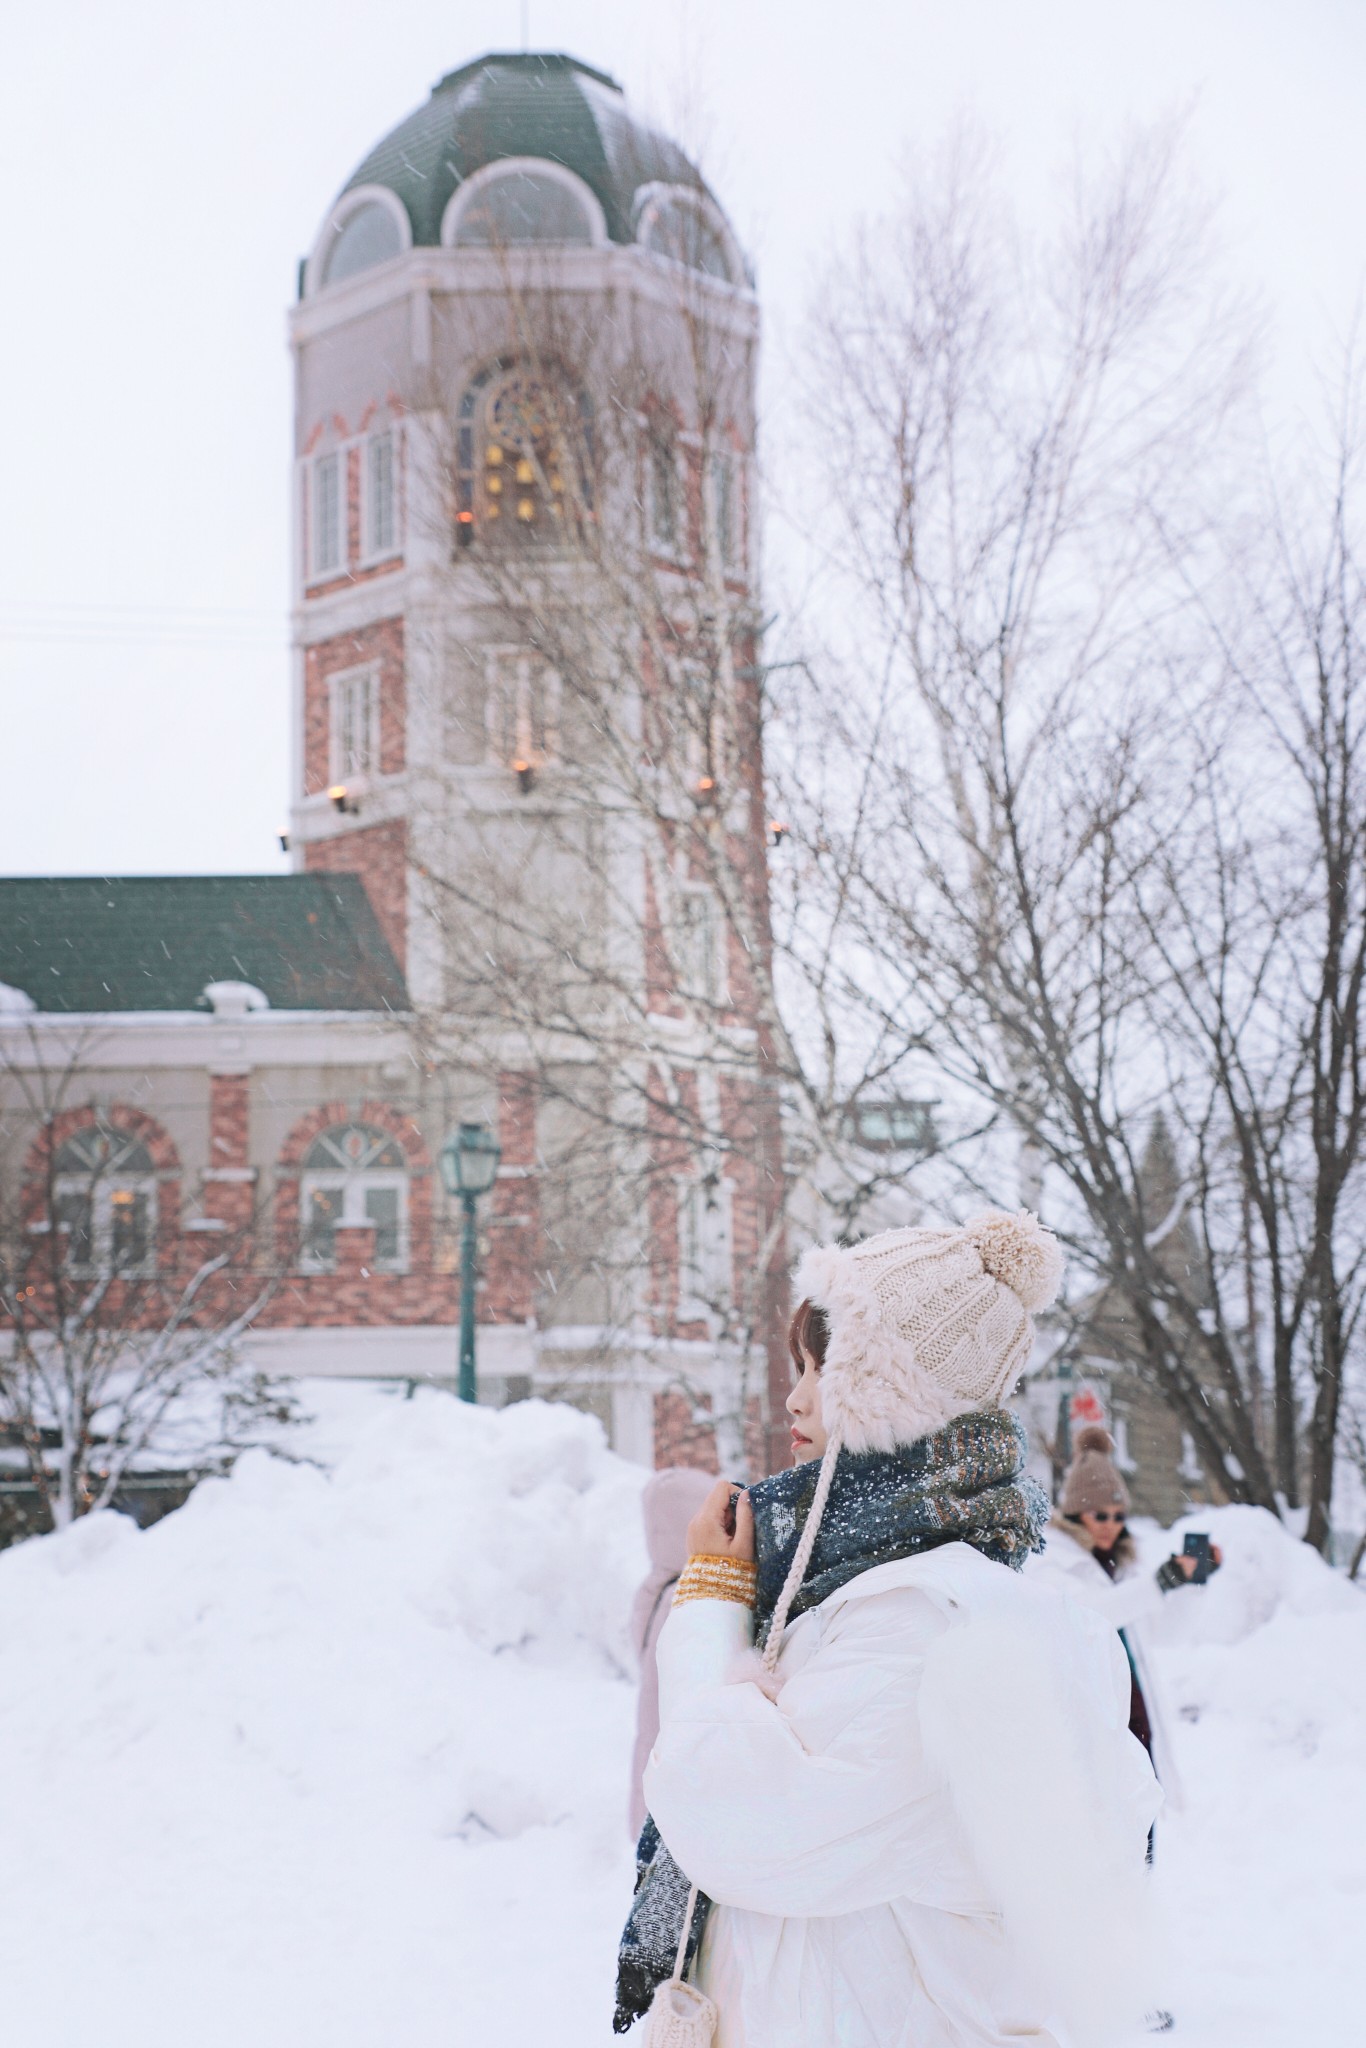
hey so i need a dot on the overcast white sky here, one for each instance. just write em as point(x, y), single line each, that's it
point(167, 165)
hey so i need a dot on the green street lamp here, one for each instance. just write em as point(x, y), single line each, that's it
point(1062, 1448)
point(469, 1164)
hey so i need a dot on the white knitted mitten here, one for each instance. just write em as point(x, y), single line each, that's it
point(680, 2015)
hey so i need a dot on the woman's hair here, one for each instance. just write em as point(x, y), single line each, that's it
point(808, 1331)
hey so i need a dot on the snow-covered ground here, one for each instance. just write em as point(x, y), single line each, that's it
point(335, 1756)
point(1262, 1871)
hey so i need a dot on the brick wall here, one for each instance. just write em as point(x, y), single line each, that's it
point(381, 642)
point(679, 1440)
point(512, 1213)
point(229, 1180)
point(379, 855)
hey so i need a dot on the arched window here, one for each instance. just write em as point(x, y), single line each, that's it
point(520, 206)
point(680, 225)
point(366, 237)
point(523, 456)
point(104, 1194)
point(354, 1175)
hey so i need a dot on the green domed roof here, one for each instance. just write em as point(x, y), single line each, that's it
point(536, 105)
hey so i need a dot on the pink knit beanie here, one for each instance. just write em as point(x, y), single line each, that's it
point(927, 1324)
point(924, 1325)
point(1093, 1480)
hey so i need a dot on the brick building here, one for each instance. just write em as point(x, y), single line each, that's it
point(525, 704)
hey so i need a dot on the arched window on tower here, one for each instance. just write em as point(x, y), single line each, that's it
point(522, 206)
point(105, 1201)
point(354, 1176)
point(524, 452)
point(366, 237)
point(682, 226)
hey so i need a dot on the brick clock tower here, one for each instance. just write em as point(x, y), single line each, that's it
point(526, 705)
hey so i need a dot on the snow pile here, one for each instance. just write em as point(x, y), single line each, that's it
point(1263, 1871)
point(336, 1755)
point(328, 1758)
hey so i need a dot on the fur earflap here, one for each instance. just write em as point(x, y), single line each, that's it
point(1020, 1253)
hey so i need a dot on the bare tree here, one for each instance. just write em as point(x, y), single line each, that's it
point(1265, 959)
point(119, 1337)
point(1031, 804)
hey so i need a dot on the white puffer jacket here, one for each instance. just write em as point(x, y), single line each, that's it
point(1129, 1600)
point(933, 1837)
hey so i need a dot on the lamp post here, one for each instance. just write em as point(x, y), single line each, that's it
point(1062, 1448)
point(469, 1162)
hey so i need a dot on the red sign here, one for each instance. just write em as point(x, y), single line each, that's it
point(1085, 1406)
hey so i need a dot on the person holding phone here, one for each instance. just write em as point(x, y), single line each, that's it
point(1091, 1555)
point(893, 1799)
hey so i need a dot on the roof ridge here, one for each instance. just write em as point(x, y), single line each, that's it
point(526, 58)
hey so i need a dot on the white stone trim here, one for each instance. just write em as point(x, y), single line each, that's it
point(572, 268)
point(134, 1040)
point(425, 1352)
point(536, 166)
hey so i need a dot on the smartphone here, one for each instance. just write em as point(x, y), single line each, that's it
point(1200, 1548)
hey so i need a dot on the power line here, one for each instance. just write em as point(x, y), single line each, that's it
point(145, 625)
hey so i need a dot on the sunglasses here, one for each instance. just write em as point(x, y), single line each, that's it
point(1107, 1515)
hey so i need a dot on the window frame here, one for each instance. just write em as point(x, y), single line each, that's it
point(340, 683)
point(350, 203)
point(101, 1188)
point(467, 194)
point(731, 557)
point(911, 1126)
point(319, 571)
point(532, 670)
point(706, 1255)
point(716, 993)
point(472, 517)
point(704, 745)
point(664, 458)
point(354, 1183)
point(373, 551)
point(653, 199)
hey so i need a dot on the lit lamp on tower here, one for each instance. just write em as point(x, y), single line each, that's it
point(469, 1166)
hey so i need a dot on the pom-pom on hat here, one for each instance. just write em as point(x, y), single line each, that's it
point(927, 1324)
point(1093, 1480)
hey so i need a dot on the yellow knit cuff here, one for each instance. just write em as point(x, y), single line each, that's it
point(718, 1578)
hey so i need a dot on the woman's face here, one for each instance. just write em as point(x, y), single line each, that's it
point(1103, 1528)
point(809, 1434)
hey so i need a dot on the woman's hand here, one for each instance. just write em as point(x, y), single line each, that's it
point(1187, 1564)
point(709, 1531)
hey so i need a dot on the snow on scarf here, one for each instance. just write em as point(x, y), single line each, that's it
point(964, 1484)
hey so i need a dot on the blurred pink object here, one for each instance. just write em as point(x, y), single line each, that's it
point(667, 1505)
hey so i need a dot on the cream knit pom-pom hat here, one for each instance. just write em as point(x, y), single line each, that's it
point(926, 1324)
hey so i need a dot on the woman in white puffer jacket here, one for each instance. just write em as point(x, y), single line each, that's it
point(919, 1820)
point(1090, 1555)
